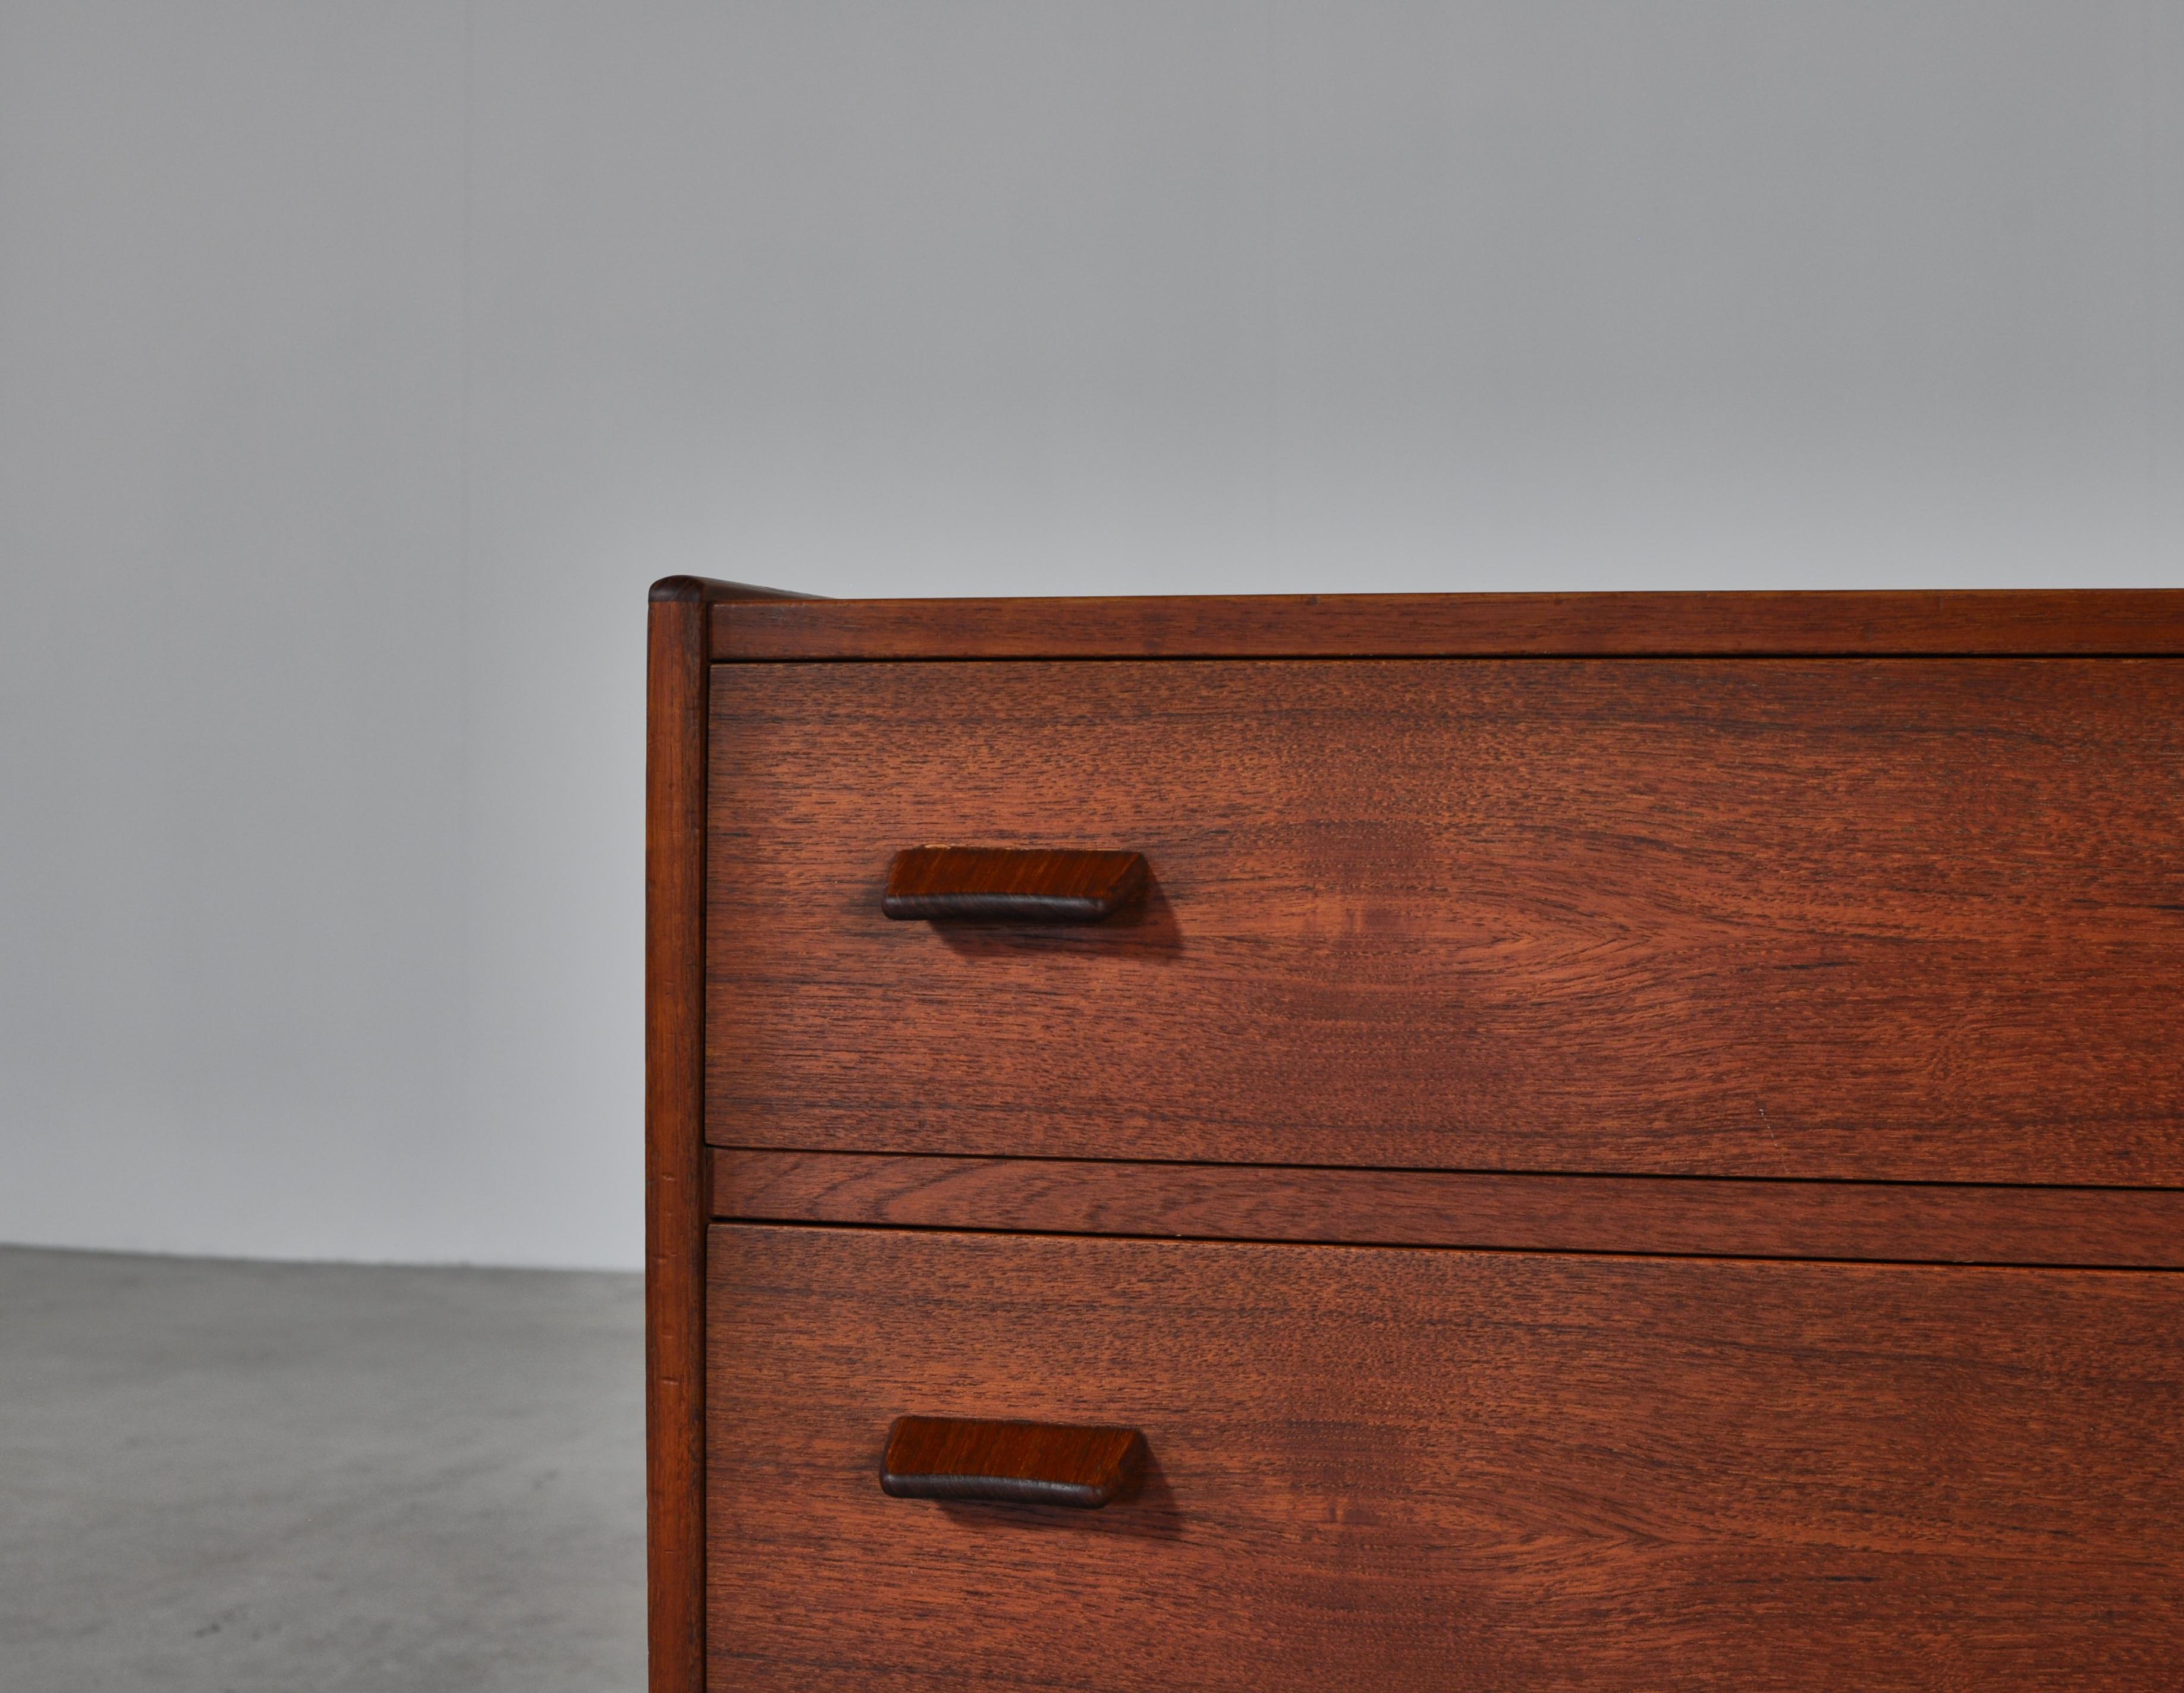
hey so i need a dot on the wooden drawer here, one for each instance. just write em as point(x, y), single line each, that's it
point(1376, 1468)
point(1492, 942)
point(1904, 918)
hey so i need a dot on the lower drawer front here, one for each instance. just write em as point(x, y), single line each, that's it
point(1382, 1468)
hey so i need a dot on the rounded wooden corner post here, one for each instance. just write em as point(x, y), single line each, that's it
point(677, 659)
point(674, 1137)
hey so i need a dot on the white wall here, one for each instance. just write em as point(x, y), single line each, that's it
point(361, 363)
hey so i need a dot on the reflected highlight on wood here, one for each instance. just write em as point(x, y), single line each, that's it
point(1008, 884)
point(1010, 1463)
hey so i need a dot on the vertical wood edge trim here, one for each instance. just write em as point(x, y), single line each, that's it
point(2080, 1228)
point(675, 1174)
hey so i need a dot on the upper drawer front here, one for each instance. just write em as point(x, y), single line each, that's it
point(1399, 1471)
point(1899, 918)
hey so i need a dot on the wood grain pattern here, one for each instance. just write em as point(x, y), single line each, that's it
point(1012, 884)
point(2111, 1227)
point(1394, 1471)
point(675, 1205)
point(1009, 1462)
point(2079, 622)
point(1846, 919)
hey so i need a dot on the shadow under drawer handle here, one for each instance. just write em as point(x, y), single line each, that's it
point(1012, 1464)
point(1008, 884)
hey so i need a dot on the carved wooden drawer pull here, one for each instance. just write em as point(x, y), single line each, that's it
point(1014, 1463)
point(1008, 884)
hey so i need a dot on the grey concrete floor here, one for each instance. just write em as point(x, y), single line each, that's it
point(243, 1478)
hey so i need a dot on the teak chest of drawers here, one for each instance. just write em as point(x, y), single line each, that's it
point(1459, 1143)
